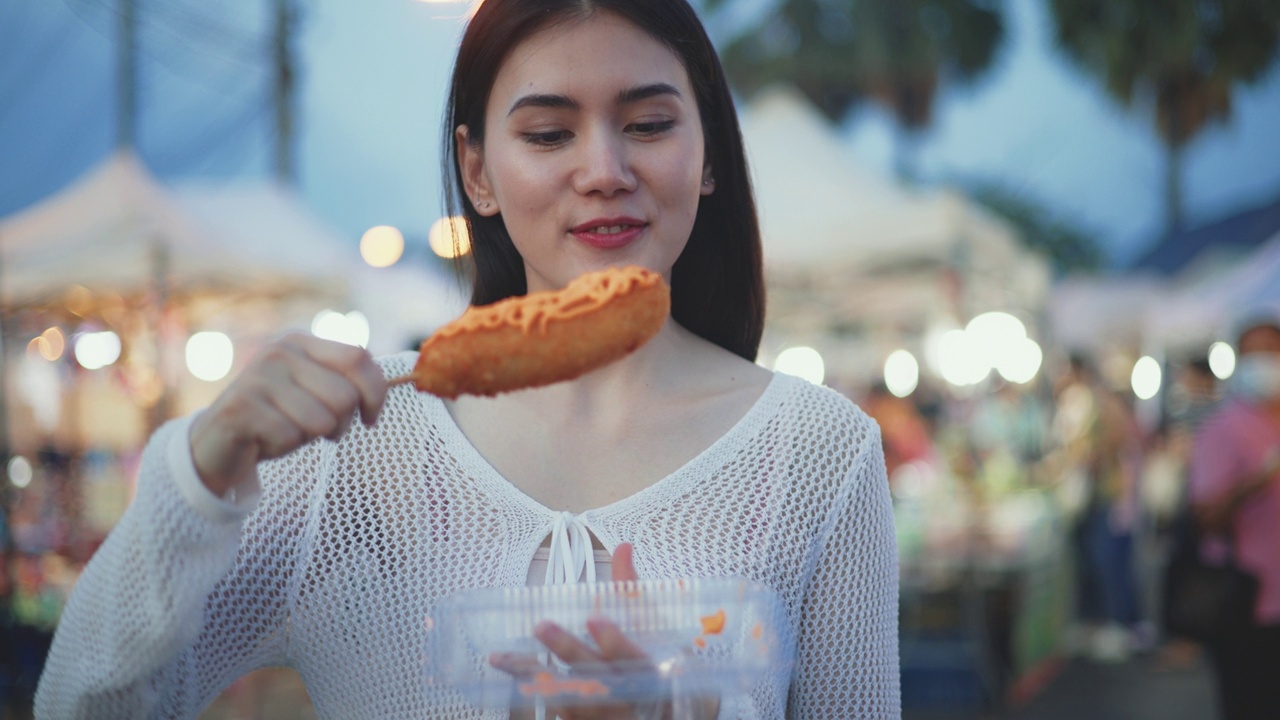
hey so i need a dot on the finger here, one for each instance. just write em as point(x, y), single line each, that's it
point(335, 390)
point(623, 567)
point(273, 432)
point(614, 644)
point(564, 645)
point(357, 365)
point(305, 410)
point(518, 665)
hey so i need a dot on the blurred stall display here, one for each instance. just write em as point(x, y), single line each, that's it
point(133, 301)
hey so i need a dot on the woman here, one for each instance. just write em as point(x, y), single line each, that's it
point(583, 134)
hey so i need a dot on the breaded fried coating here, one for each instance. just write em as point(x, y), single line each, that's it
point(545, 337)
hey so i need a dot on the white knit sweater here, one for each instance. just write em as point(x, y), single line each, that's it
point(333, 567)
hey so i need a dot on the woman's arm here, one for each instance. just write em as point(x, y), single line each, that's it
point(190, 591)
point(177, 603)
point(847, 651)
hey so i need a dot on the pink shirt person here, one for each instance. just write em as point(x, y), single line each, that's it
point(1233, 443)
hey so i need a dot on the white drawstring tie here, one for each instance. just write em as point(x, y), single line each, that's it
point(571, 553)
point(570, 558)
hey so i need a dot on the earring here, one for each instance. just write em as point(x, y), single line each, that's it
point(708, 182)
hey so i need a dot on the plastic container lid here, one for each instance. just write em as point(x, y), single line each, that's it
point(704, 637)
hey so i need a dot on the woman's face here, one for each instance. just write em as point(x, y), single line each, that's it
point(593, 151)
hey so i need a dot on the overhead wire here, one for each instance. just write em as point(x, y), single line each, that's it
point(192, 45)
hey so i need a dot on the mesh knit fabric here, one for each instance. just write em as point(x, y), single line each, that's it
point(333, 569)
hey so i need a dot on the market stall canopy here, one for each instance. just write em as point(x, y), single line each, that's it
point(118, 229)
point(1200, 312)
point(825, 217)
point(270, 225)
point(1092, 314)
point(1222, 241)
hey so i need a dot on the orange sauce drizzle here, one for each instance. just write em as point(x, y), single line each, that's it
point(584, 295)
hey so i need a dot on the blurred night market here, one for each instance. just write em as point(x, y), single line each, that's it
point(1018, 235)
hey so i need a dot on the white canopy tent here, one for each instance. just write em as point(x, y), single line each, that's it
point(1096, 314)
point(857, 264)
point(1206, 308)
point(119, 229)
point(269, 226)
point(825, 218)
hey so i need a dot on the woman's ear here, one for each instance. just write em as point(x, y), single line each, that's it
point(475, 180)
point(708, 181)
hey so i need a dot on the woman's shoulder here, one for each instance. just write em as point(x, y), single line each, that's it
point(822, 404)
point(822, 418)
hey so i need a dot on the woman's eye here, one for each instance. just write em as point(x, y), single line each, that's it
point(550, 137)
point(654, 127)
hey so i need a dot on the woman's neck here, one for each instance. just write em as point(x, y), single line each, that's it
point(673, 368)
point(656, 367)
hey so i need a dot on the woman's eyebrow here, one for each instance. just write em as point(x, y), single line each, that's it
point(541, 100)
point(644, 92)
point(564, 102)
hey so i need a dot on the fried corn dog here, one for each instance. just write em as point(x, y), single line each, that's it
point(544, 337)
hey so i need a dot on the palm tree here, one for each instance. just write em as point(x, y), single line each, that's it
point(1186, 57)
point(895, 52)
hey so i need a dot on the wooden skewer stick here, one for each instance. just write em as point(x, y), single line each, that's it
point(400, 380)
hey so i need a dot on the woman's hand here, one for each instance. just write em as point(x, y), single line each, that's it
point(299, 388)
point(612, 648)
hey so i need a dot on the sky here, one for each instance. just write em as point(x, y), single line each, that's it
point(373, 78)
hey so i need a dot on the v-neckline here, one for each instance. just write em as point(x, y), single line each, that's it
point(457, 441)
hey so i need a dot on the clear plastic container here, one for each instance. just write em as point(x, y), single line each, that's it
point(703, 637)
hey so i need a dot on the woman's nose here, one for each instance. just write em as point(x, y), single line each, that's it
point(605, 166)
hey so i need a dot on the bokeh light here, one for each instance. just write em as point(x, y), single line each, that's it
point(351, 328)
point(50, 344)
point(95, 350)
point(381, 246)
point(210, 355)
point(991, 341)
point(901, 373)
point(20, 471)
point(1222, 360)
point(1020, 361)
point(963, 362)
point(79, 300)
point(996, 330)
point(441, 237)
point(803, 362)
point(1146, 378)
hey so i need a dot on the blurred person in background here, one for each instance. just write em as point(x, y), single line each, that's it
point(1166, 501)
point(904, 431)
point(1235, 491)
point(1194, 395)
point(1014, 420)
point(1103, 444)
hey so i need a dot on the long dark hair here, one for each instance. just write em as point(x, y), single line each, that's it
point(717, 284)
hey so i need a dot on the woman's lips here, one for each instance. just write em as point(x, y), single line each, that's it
point(608, 233)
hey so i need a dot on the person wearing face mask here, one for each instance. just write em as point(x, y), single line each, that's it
point(1235, 492)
